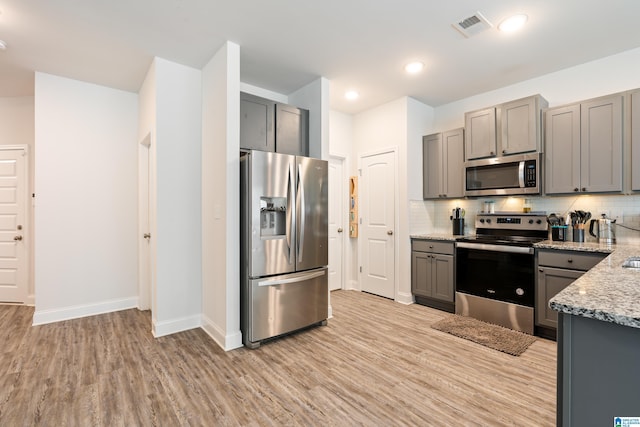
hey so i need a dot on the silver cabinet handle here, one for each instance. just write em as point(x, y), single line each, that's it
point(340, 230)
point(390, 232)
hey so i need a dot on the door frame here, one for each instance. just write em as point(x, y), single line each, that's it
point(27, 235)
point(396, 209)
point(345, 214)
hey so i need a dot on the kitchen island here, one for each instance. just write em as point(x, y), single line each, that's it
point(598, 339)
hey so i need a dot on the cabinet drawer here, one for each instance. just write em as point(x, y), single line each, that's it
point(433, 246)
point(569, 259)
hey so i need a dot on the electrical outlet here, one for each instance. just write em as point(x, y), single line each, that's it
point(618, 215)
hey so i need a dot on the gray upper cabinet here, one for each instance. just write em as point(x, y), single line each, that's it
point(270, 126)
point(520, 123)
point(562, 149)
point(506, 129)
point(292, 135)
point(635, 140)
point(584, 147)
point(481, 133)
point(443, 158)
point(256, 123)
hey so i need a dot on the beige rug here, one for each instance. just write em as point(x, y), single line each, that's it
point(492, 336)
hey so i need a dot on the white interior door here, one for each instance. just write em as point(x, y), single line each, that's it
point(377, 227)
point(144, 224)
point(13, 237)
point(337, 197)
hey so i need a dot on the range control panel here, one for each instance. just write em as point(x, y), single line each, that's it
point(512, 221)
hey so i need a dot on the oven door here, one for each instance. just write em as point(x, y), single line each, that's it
point(500, 272)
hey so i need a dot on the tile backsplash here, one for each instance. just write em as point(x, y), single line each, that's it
point(432, 217)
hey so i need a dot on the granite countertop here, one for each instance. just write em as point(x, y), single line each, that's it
point(443, 237)
point(576, 246)
point(607, 292)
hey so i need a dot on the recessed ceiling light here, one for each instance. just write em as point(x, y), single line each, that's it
point(414, 67)
point(513, 23)
point(351, 95)
point(3, 45)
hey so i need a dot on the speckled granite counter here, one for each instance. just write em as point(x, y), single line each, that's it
point(443, 237)
point(607, 292)
point(575, 246)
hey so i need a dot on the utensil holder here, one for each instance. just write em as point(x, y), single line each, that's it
point(458, 226)
point(578, 234)
point(559, 233)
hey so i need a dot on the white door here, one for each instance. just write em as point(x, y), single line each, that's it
point(13, 237)
point(144, 223)
point(337, 197)
point(377, 214)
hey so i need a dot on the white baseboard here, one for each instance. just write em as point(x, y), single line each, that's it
point(226, 342)
point(404, 298)
point(353, 285)
point(168, 327)
point(42, 317)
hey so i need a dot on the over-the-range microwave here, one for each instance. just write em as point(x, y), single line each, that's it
point(503, 176)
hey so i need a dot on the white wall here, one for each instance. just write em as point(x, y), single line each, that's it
point(17, 127)
point(178, 231)
point(315, 98)
point(86, 202)
point(220, 197)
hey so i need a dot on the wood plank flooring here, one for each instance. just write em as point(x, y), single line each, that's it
point(377, 363)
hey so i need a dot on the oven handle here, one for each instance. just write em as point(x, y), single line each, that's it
point(496, 248)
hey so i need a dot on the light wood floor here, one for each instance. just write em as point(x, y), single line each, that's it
point(377, 363)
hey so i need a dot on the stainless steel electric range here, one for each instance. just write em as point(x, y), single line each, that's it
point(495, 269)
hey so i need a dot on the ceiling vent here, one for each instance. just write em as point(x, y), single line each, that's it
point(472, 25)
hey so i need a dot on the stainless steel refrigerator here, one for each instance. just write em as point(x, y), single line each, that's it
point(284, 239)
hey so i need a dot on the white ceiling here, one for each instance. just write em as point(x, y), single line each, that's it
point(285, 44)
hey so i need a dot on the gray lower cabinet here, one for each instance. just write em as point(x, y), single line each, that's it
point(583, 152)
point(442, 164)
point(598, 372)
point(271, 126)
point(432, 273)
point(556, 271)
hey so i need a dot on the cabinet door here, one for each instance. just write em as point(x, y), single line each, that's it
point(601, 145)
point(480, 128)
point(292, 135)
point(256, 123)
point(453, 159)
point(442, 276)
point(432, 166)
point(519, 124)
point(562, 149)
point(635, 140)
point(421, 274)
point(550, 282)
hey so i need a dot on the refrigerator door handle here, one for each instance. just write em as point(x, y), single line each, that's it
point(290, 197)
point(302, 278)
point(300, 210)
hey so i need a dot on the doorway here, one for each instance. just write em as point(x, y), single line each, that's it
point(377, 223)
point(337, 203)
point(14, 224)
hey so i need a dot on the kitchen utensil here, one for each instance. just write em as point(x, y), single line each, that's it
point(605, 229)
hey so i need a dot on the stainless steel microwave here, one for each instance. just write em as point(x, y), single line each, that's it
point(503, 176)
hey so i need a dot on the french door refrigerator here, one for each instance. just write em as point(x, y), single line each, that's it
point(284, 239)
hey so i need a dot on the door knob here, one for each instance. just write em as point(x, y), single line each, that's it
point(340, 230)
point(390, 232)
point(146, 235)
point(17, 238)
